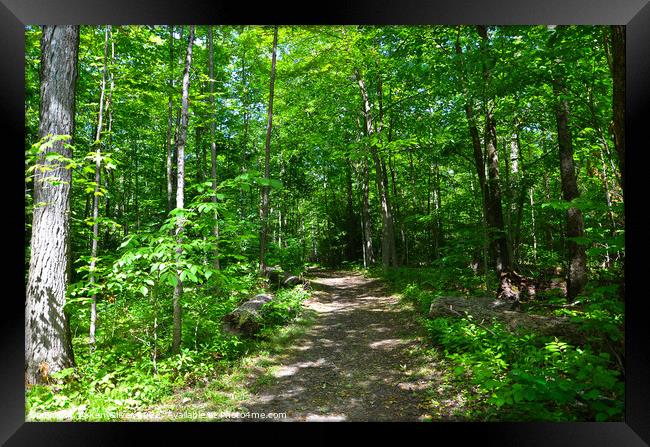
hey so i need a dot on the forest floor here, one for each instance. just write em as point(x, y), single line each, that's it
point(359, 354)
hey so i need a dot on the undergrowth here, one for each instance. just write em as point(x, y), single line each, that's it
point(523, 376)
point(121, 377)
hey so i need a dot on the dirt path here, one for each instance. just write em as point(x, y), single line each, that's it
point(360, 361)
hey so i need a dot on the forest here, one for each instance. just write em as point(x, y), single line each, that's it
point(418, 223)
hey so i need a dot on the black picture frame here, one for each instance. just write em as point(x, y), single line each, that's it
point(15, 14)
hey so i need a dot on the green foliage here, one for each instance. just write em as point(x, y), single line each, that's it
point(318, 162)
point(525, 377)
point(285, 306)
point(104, 383)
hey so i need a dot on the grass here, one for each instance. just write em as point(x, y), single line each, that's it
point(228, 392)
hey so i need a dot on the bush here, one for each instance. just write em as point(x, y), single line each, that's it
point(285, 306)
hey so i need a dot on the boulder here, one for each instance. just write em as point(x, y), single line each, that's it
point(273, 274)
point(292, 281)
point(483, 309)
point(246, 319)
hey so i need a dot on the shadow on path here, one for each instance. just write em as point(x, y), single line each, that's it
point(358, 362)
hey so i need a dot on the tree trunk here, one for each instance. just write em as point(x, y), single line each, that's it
point(368, 253)
point(98, 167)
point(180, 191)
point(213, 149)
point(264, 209)
point(388, 234)
point(48, 347)
point(577, 277)
point(479, 160)
point(398, 214)
point(501, 251)
point(391, 226)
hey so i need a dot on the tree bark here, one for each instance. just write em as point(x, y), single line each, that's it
point(479, 160)
point(48, 346)
point(548, 226)
point(366, 226)
point(577, 275)
point(503, 262)
point(98, 167)
point(264, 209)
point(180, 194)
point(388, 234)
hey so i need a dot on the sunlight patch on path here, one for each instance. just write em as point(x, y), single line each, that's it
point(359, 361)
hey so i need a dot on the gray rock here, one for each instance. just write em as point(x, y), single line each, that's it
point(292, 281)
point(246, 319)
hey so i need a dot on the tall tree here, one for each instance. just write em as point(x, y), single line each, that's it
point(264, 208)
point(388, 257)
point(180, 193)
point(577, 274)
point(48, 346)
point(96, 192)
point(479, 161)
point(500, 248)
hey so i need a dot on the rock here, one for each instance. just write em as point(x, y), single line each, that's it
point(483, 309)
point(273, 274)
point(247, 319)
point(292, 281)
point(262, 297)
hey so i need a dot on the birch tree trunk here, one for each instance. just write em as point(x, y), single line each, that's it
point(48, 346)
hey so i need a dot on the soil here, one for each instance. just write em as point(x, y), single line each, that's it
point(361, 360)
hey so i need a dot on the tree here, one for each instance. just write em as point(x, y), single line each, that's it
point(48, 346)
point(388, 256)
point(500, 249)
point(97, 191)
point(577, 274)
point(180, 193)
point(264, 208)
